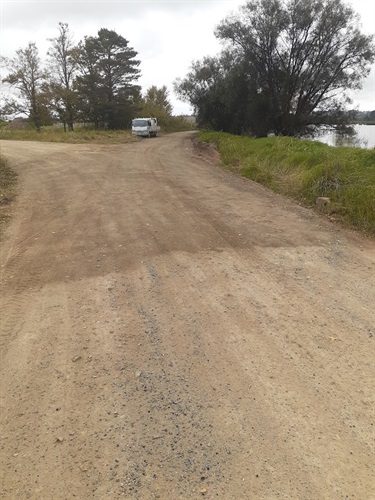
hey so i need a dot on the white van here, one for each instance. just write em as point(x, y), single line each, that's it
point(145, 127)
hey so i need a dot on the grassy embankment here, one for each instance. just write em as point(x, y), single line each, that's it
point(305, 170)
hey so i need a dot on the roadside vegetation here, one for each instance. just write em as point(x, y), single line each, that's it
point(57, 134)
point(155, 103)
point(306, 170)
point(86, 134)
point(8, 182)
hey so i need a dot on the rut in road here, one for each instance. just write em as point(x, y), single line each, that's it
point(170, 330)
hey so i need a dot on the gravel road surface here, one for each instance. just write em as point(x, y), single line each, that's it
point(172, 331)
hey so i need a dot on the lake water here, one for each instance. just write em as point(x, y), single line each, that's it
point(365, 138)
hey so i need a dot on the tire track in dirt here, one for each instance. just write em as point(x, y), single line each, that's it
point(19, 277)
point(41, 213)
point(20, 285)
point(187, 202)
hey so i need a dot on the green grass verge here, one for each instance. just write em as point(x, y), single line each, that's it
point(305, 170)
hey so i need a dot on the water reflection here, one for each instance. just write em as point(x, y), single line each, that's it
point(364, 137)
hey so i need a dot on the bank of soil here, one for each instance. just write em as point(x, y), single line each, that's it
point(170, 330)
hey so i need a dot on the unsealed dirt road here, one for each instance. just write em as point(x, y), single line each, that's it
point(172, 331)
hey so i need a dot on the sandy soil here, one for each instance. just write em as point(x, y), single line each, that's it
point(172, 331)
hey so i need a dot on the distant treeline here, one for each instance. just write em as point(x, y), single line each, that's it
point(365, 117)
point(94, 81)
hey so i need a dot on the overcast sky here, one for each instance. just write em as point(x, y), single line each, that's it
point(168, 35)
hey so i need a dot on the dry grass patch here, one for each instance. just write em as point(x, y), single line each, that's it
point(79, 136)
point(8, 183)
